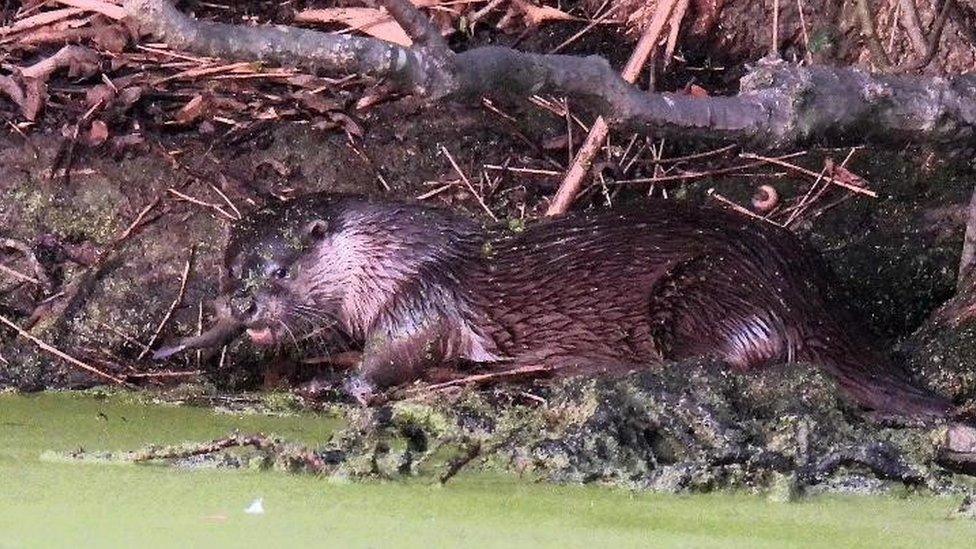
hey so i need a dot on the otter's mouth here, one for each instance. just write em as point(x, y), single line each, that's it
point(261, 336)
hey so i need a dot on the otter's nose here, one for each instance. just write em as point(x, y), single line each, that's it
point(243, 305)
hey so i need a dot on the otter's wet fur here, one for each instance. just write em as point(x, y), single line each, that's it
point(616, 290)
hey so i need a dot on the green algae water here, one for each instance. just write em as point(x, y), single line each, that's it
point(46, 503)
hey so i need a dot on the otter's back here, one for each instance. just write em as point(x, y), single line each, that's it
point(666, 280)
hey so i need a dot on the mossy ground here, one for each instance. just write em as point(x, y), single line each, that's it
point(46, 504)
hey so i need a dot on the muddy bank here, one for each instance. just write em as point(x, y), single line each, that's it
point(895, 255)
point(683, 427)
point(120, 505)
point(689, 428)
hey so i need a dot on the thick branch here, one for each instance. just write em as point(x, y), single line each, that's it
point(779, 105)
point(281, 45)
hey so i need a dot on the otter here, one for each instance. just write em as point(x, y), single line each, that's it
point(609, 291)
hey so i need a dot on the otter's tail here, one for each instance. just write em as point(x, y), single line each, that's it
point(882, 386)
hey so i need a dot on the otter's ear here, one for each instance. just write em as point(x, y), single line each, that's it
point(317, 230)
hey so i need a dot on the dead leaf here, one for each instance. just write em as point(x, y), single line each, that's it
point(533, 15)
point(324, 125)
point(225, 103)
point(316, 103)
point(125, 141)
point(373, 97)
point(842, 174)
point(12, 89)
point(350, 126)
point(102, 94)
point(302, 81)
point(97, 133)
point(108, 9)
point(111, 38)
point(192, 111)
point(130, 95)
point(35, 92)
point(373, 22)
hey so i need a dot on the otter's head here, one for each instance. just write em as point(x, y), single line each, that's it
point(274, 263)
point(336, 262)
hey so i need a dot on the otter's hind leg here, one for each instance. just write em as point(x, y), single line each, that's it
point(700, 309)
point(391, 362)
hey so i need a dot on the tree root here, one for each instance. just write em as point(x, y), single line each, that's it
point(883, 461)
point(779, 105)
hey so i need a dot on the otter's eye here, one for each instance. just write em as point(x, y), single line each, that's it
point(281, 272)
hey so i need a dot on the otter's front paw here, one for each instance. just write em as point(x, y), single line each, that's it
point(319, 388)
point(360, 389)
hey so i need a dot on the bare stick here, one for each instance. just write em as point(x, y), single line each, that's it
point(573, 182)
point(39, 20)
point(166, 374)
point(176, 303)
point(744, 211)
point(64, 356)
point(260, 442)
point(108, 9)
point(480, 378)
point(913, 26)
point(468, 183)
point(774, 47)
point(811, 173)
point(933, 41)
point(968, 244)
point(870, 33)
point(19, 275)
point(199, 202)
point(806, 37)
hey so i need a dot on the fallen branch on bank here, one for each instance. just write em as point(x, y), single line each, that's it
point(778, 104)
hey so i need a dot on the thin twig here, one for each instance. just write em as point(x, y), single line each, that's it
point(839, 183)
point(774, 47)
point(60, 354)
point(968, 244)
point(913, 26)
point(606, 15)
point(468, 183)
point(122, 334)
point(199, 202)
point(740, 209)
point(870, 33)
point(479, 378)
point(237, 212)
point(573, 181)
point(176, 303)
point(806, 37)
point(517, 169)
point(19, 275)
point(152, 375)
point(699, 175)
